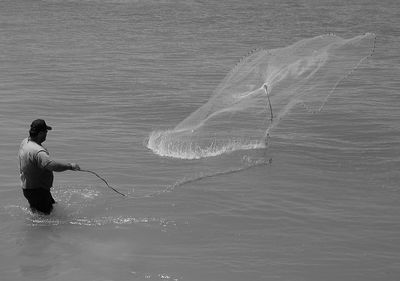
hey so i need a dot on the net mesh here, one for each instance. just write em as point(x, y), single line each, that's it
point(259, 91)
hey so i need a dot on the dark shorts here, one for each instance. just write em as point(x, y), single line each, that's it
point(39, 200)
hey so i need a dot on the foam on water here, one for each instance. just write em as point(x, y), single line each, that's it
point(163, 144)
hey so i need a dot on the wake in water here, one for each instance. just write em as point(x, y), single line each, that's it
point(259, 91)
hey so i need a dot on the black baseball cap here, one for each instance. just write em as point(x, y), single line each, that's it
point(39, 125)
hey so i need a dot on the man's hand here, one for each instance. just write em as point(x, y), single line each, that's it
point(75, 167)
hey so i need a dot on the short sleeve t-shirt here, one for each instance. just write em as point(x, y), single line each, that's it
point(33, 159)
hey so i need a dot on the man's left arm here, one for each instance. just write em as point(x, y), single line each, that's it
point(55, 166)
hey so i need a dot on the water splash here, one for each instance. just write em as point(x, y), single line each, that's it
point(262, 89)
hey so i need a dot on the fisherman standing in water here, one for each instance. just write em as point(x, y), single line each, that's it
point(36, 168)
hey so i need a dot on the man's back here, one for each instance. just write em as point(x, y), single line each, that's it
point(33, 159)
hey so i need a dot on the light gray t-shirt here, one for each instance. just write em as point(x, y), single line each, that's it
point(33, 159)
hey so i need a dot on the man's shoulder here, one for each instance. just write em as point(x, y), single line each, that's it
point(24, 142)
point(31, 146)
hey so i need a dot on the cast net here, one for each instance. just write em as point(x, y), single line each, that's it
point(259, 91)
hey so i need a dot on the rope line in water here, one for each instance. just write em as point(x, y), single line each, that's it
point(269, 103)
point(97, 175)
point(202, 176)
point(184, 181)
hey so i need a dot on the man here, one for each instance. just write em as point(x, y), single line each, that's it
point(36, 168)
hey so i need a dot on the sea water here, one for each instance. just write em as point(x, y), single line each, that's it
point(319, 202)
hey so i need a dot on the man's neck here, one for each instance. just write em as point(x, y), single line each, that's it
point(35, 139)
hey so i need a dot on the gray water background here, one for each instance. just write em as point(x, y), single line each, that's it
point(106, 73)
